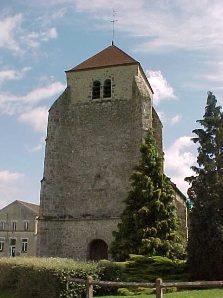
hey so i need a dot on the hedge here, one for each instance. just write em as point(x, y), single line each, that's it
point(46, 277)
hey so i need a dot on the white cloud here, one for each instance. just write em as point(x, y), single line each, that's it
point(36, 117)
point(8, 177)
point(42, 93)
point(12, 104)
point(10, 186)
point(169, 120)
point(24, 107)
point(34, 39)
point(175, 119)
point(168, 25)
point(164, 25)
point(16, 38)
point(12, 74)
point(37, 148)
point(214, 76)
point(118, 5)
point(9, 27)
point(179, 157)
point(162, 89)
point(162, 116)
point(50, 34)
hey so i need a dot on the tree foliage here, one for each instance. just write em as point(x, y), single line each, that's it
point(149, 223)
point(205, 247)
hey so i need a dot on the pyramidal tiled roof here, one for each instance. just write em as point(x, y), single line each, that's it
point(110, 56)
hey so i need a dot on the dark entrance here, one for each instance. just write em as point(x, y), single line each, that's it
point(98, 250)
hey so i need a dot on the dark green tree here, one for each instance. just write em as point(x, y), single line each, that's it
point(205, 246)
point(149, 224)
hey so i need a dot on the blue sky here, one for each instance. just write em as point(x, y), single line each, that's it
point(178, 43)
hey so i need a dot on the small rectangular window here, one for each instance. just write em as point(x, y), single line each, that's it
point(2, 225)
point(2, 242)
point(12, 241)
point(26, 225)
point(14, 225)
point(24, 245)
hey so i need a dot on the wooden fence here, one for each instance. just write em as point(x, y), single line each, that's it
point(159, 285)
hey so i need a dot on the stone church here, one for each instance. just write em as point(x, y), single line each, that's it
point(95, 129)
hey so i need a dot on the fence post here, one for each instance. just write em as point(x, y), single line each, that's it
point(159, 289)
point(89, 287)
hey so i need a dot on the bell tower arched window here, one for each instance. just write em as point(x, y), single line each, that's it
point(96, 89)
point(107, 88)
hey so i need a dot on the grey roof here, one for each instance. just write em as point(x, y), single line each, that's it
point(30, 206)
point(33, 207)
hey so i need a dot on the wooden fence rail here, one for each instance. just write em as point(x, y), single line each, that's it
point(159, 285)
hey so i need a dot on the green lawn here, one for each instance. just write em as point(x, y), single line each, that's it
point(213, 293)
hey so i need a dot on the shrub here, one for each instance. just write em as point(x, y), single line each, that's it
point(125, 292)
point(109, 271)
point(45, 277)
point(147, 269)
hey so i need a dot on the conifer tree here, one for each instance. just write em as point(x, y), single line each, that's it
point(205, 246)
point(148, 223)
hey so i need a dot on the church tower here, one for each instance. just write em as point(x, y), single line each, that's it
point(95, 129)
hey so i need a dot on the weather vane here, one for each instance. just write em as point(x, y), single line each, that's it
point(113, 26)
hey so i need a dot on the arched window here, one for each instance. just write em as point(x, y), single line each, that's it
point(96, 89)
point(98, 250)
point(107, 89)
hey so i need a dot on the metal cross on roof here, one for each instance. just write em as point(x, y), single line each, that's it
point(113, 26)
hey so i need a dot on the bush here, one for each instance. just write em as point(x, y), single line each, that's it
point(109, 271)
point(46, 277)
point(125, 292)
point(147, 269)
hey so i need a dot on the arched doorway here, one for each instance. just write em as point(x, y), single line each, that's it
point(98, 250)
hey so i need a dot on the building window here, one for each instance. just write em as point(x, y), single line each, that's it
point(14, 225)
point(107, 88)
point(24, 245)
point(96, 90)
point(2, 225)
point(26, 225)
point(12, 241)
point(2, 242)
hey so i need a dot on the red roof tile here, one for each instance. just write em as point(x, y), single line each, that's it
point(111, 56)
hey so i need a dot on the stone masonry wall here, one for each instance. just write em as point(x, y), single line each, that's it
point(92, 147)
point(71, 238)
point(157, 130)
